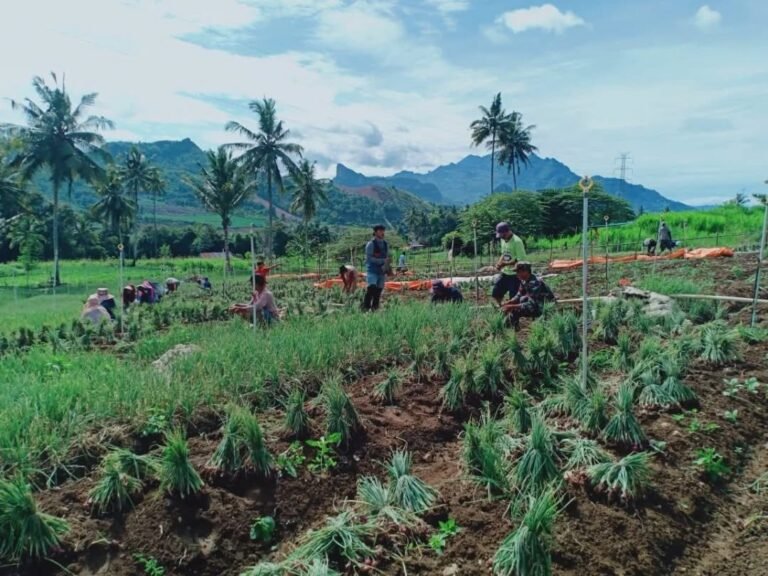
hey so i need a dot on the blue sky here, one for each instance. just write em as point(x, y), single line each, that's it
point(386, 85)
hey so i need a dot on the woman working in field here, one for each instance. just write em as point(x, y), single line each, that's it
point(262, 301)
point(94, 312)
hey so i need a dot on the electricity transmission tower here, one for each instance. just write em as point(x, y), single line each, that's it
point(623, 170)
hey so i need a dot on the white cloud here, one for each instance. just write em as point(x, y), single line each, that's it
point(448, 6)
point(363, 27)
point(706, 18)
point(545, 17)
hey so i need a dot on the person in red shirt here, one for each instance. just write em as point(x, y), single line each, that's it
point(264, 270)
point(348, 275)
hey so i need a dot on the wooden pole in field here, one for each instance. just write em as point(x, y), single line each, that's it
point(253, 276)
point(760, 261)
point(120, 249)
point(607, 282)
point(585, 184)
point(477, 281)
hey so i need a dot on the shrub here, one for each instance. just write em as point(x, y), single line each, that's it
point(25, 531)
point(459, 385)
point(376, 500)
point(527, 549)
point(341, 537)
point(489, 377)
point(628, 477)
point(610, 318)
point(177, 475)
point(622, 355)
point(408, 491)
point(517, 408)
point(542, 351)
point(623, 427)
point(115, 488)
point(567, 333)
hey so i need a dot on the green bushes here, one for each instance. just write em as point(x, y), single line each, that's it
point(177, 475)
point(242, 447)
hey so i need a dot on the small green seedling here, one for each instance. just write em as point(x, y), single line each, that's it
point(752, 385)
point(290, 461)
point(712, 463)
point(157, 423)
point(731, 415)
point(447, 529)
point(732, 387)
point(324, 456)
point(149, 564)
point(263, 529)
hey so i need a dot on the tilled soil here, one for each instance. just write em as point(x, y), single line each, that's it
point(685, 525)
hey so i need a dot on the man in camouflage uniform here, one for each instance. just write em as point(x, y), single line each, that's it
point(530, 298)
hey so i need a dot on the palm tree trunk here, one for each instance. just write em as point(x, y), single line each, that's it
point(135, 234)
point(269, 232)
point(514, 175)
point(154, 222)
point(493, 158)
point(226, 249)
point(56, 274)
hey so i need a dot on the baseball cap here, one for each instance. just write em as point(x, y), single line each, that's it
point(502, 228)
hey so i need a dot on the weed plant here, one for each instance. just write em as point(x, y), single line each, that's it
point(25, 531)
point(484, 455)
point(242, 446)
point(296, 417)
point(517, 410)
point(376, 501)
point(627, 478)
point(718, 344)
point(386, 391)
point(537, 467)
point(527, 549)
point(622, 354)
point(177, 475)
point(460, 384)
point(340, 414)
point(623, 427)
point(489, 377)
point(583, 453)
point(115, 488)
point(610, 318)
point(343, 537)
point(408, 491)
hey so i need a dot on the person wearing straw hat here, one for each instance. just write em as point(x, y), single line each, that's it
point(512, 251)
point(348, 275)
point(106, 301)
point(94, 312)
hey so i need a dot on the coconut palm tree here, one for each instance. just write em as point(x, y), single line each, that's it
point(156, 188)
point(516, 145)
point(266, 151)
point(10, 190)
point(492, 123)
point(222, 187)
point(306, 191)
point(139, 177)
point(114, 208)
point(61, 138)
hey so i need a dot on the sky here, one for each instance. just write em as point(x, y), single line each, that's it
point(389, 85)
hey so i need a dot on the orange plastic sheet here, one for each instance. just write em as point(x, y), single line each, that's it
point(393, 286)
point(696, 254)
point(308, 276)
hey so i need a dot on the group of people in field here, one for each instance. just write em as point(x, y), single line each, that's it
point(516, 290)
point(664, 241)
point(102, 305)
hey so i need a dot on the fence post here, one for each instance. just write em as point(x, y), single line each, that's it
point(585, 184)
point(759, 263)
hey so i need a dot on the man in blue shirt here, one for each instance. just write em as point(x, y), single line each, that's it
point(377, 263)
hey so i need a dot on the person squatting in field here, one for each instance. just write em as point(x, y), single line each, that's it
point(442, 293)
point(262, 301)
point(530, 298)
point(106, 301)
point(94, 312)
point(377, 267)
point(348, 275)
point(512, 251)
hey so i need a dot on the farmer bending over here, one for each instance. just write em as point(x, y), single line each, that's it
point(650, 246)
point(377, 267)
point(442, 293)
point(348, 276)
point(262, 301)
point(530, 298)
point(512, 251)
point(94, 312)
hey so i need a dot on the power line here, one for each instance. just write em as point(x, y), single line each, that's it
point(623, 170)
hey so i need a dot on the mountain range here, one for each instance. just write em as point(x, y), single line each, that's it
point(468, 180)
point(356, 198)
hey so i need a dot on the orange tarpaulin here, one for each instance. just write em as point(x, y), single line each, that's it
point(676, 255)
point(393, 286)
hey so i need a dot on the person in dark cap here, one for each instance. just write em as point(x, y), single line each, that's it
point(530, 298)
point(512, 251)
point(378, 265)
point(665, 238)
point(442, 293)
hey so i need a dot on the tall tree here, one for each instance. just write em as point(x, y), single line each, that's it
point(10, 191)
point(487, 129)
point(157, 189)
point(26, 234)
point(114, 208)
point(139, 177)
point(516, 145)
point(265, 152)
point(61, 138)
point(306, 191)
point(222, 187)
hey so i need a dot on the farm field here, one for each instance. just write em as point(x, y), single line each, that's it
point(286, 451)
